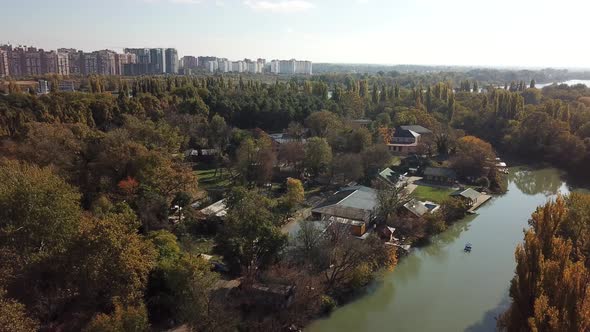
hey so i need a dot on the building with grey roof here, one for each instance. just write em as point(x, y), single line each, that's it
point(417, 129)
point(353, 206)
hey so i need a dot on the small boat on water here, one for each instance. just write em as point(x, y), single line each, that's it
point(467, 247)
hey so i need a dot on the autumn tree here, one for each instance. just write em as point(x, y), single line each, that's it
point(122, 319)
point(473, 156)
point(551, 288)
point(13, 316)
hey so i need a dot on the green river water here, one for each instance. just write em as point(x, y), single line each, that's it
point(440, 287)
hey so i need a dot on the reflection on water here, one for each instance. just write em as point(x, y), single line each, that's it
point(441, 288)
point(533, 182)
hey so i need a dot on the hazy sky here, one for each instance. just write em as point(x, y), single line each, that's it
point(528, 33)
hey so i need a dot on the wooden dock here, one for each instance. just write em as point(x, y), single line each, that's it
point(479, 202)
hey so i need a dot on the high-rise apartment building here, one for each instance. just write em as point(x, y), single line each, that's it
point(48, 62)
point(142, 55)
point(189, 62)
point(291, 67)
point(171, 56)
point(203, 61)
point(121, 60)
point(90, 63)
point(4, 70)
point(63, 64)
point(158, 59)
point(106, 62)
point(74, 60)
point(43, 87)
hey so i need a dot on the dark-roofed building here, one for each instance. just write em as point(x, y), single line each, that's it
point(440, 175)
point(352, 206)
point(417, 129)
point(405, 141)
point(468, 195)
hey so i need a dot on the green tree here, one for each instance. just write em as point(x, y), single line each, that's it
point(249, 239)
point(39, 212)
point(318, 155)
point(295, 193)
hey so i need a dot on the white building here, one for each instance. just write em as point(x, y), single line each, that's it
point(291, 67)
point(212, 66)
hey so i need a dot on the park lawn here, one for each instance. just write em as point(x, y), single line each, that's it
point(437, 195)
point(207, 178)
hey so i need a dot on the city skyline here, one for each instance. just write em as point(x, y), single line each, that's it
point(27, 60)
point(355, 31)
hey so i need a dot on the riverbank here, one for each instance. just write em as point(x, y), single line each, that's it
point(439, 287)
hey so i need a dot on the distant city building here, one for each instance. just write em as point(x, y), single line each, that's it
point(158, 59)
point(291, 67)
point(43, 87)
point(32, 61)
point(171, 56)
point(106, 62)
point(212, 66)
point(189, 62)
point(90, 63)
point(4, 70)
point(29, 61)
point(121, 60)
point(48, 62)
point(63, 64)
point(142, 55)
point(203, 61)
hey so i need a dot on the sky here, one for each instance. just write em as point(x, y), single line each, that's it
point(506, 33)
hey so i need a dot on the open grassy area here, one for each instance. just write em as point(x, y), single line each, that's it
point(436, 195)
point(197, 246)
point(207, 178)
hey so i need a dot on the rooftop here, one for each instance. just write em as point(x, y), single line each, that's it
point(419, 208)
point(389, 175)
point(355, 203)
point(406, 133)
point(417, 129)
point(217, 209)
point(282, 138)
point(467, 193)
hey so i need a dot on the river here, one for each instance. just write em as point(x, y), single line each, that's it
point(570, 83)
point(442, 288)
